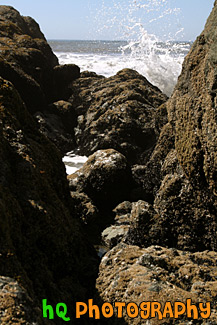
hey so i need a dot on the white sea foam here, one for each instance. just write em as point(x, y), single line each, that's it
point(150, 28)
point(160, 63)
point(73, 162)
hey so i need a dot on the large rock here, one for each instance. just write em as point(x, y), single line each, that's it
point(28, 62)
point(42, 243)
point(26, 58)
point(156, 274)
point(186, 200)
point(179, 179)
point(105, 178)
point(117, 112)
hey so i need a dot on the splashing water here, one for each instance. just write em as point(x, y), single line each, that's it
point(160, 62)
point(151, 28)
point(145, 35)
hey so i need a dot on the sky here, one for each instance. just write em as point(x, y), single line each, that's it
point(116, 19)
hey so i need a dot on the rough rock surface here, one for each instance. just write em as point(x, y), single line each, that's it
point(63, 77)
point(57, 123)
point(130, 221)
point(41, 243)
point(117, 112)
point(132, 274)
point(171, 147)
point(27, 60)
point(105, 178)
point(179, 184)
point(16, 306)
point(179, 179)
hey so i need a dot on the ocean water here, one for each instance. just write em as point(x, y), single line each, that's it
point(73, 162)
point(159, 62)
point(146, 41)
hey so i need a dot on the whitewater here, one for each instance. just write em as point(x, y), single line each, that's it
point(159, 62)
point(146, 42)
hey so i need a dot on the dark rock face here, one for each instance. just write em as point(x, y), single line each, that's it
point(63, 77)
point(179, 178)
point(117, 112)
point(41, 242)
point(28, 62)
point(154, 160)
point(57, 122)
point(26, 59)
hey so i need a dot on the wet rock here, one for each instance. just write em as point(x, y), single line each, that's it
point(148, 176)
point(119, 113)
point(118, 231)
point(132, 274)
point(66, 113)
point(132, 220)
point(52, 127)
point(141, 216)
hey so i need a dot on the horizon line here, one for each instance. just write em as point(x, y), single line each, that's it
point(107, 40)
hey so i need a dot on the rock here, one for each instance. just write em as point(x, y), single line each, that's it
point(25, 24)
point(132, 221)
point(26, 58)
point(179, 179)
point(191, 111)
point(122, 212)
point(90, 216)
point(105, 178)
point(66, 113)
point(33, 28)
point(113, 235)
point(131, 274)
point(27, 61)
point(63, 77)
point(84, 207)
point(16, 305)
point(117, 112)
point(148, 177)
point(42, 244)
point(141, 217)
point(57, 122)
point(52, 127)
